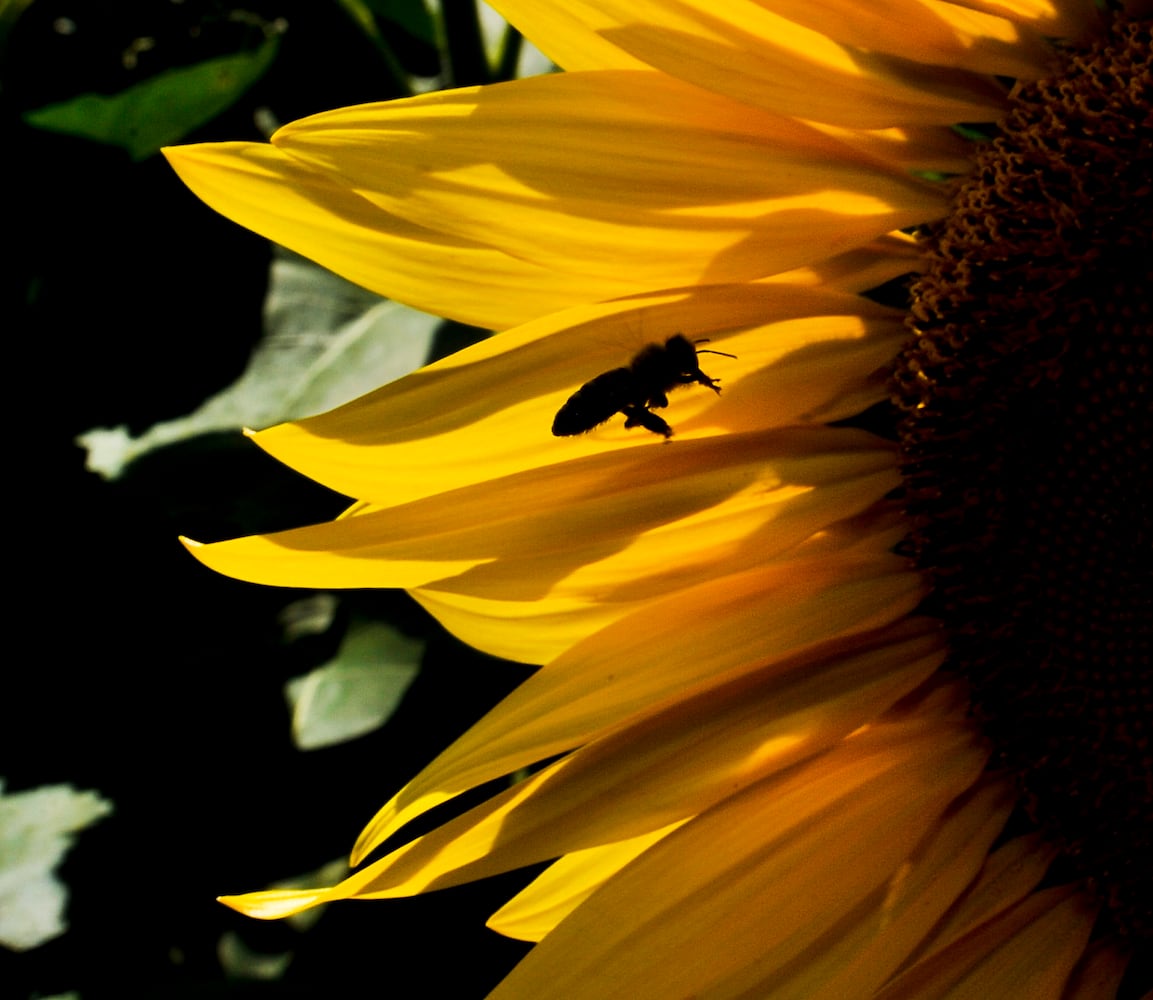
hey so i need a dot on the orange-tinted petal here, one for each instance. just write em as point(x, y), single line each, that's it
point(1099, 973)
point(750, 884)
point(629, 686)
point(640, 778)
point(1012, 872)
point(1027, 951)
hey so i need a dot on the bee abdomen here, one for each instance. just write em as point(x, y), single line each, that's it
point(594, 403)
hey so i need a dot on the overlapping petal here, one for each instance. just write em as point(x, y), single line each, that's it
point(1099, 974)
point(603, 682)
point(934, 32)
point(748, 894)
point(317, 216)
point(762, 789)
point(657, 769)
point(616, 520)
point(980, 36)
point(802, 355)
point(567, 883)
point(1050, 18)
point(749, 193)
point(1030, 950)
point(746, 51)
point(872, 941)
point(520, 628)
point(603, 535)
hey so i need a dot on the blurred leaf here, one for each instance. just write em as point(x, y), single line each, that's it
point(162, 109)
point(312, 615)
point(358, 690)
point(326, 342)
point(242, 962)
point(411, 15)
point(34, 836)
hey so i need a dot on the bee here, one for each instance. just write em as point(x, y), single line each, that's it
point(635, 390)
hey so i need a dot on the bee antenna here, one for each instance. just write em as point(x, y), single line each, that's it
point(705, 340)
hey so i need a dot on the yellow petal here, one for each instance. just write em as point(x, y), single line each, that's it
point(306, 211)
point(872, 943)
point(1070, 19)
point(606, 683)
point(859, 270)
point(657, 771)
point(761, 59)
point(915, 147)
point(804, 352)
point(927, 31)
point(573, 173)
point(533, 608)
point(760, 879)
point(565, 884)
point(610, 520)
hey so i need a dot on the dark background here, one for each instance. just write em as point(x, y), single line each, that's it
point(133, 671)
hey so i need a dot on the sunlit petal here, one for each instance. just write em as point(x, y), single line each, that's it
point(667, 924)
point(928, 31)
point(732, 505)
point(802, 355)
point(519, 627)
point(566, 884)
point(607, 534)
point(748, 194)
point(761, 59)
point(306, 211)
point(1052, 18)
point(793, 668)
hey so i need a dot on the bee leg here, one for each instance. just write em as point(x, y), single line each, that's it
point(708, 383)
point(638, 416)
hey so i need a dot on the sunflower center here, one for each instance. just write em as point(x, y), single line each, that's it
point(1027, 425)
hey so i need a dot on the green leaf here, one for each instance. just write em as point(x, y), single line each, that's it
point(35, 829)
point(326, 342)
point(358, 690)
point(162, 109)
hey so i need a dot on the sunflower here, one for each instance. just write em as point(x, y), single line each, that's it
point(844, 687)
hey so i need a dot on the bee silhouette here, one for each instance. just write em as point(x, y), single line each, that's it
point(635, 390)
